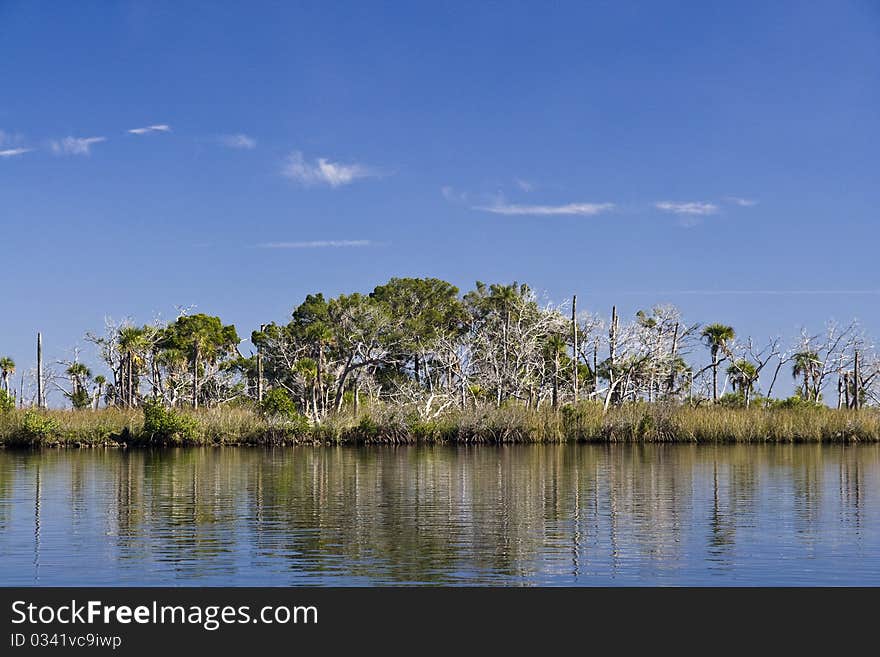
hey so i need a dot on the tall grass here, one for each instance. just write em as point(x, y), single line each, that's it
point(640, 422)
point(75, 428)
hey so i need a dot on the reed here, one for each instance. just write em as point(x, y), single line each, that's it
point(639, 422)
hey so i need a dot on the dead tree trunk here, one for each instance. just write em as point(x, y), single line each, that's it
point(260, 368)
point(612, 351)
point(857, 382)
point(130, 384)
point(337, 402)
point(357, 393)
point(195, 397)
point(574, 346)
point(556, 379)
point(320, 411)
point(670, 383)
point(39, 370)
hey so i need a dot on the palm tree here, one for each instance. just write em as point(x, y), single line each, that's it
point(678, 370)
point(100, 382)
point(7, 369)
point(133, 341)
point(716, 337)
point(743, 376)
point(78, 374)
point(806, 365)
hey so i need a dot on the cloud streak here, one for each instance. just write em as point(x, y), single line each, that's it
point(319, 244)
point(12, 152)
point(76, 145)
point(150, 128)
point(569, 209)
point(239, 141)
point(742, 202)
point(324, 172)
point(693, 208)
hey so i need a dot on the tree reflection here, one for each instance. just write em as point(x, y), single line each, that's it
point(434, 514)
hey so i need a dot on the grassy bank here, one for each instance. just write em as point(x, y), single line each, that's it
point(586, 423)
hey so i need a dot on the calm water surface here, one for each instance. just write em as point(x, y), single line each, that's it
point(523, 515)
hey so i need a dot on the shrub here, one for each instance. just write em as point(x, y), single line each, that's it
point(164, 425)
point(646, 427)
point(796, 402)
point(80, 399)
point(583, 421)
point(37, 428)
point(368, 426)
point(278, 408)
point(7, 402)
point(278, 404)
point(732, 400)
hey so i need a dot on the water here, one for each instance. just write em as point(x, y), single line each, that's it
point(522, 515)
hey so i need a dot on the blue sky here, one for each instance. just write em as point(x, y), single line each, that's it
point(718, 156)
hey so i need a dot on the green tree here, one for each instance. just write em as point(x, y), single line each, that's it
point(311, 324)
point(425, 310)
point(7, 403)
point(100, 382)
point(205, 341)
point(807, 366)
point(716, 337)
point(7, 369)
point(680, 373)
point(132, 343)
point(363, 335)
point(79, 378)
point(743, 375)
point(278, 404)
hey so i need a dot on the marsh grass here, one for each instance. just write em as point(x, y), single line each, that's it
point(639, 422)
point(75, 428)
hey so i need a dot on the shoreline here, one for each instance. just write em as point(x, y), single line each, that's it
point(643, 423)
point(142, 448)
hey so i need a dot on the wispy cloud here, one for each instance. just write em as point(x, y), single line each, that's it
point(318, 244)
point(452, 195)
point(12, 152)
point(238, 141)
point(742, 202)
point(10, 145)
point(569, 209)
point(324, 172)
point(75, 145)
point(150, 128)
point(524, 185)
point(697, 208)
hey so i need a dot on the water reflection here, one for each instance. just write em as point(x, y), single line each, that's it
point(576, 514)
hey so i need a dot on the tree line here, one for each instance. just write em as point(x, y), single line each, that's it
point(420, 342)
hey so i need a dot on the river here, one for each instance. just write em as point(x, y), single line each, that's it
point(483, 515)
